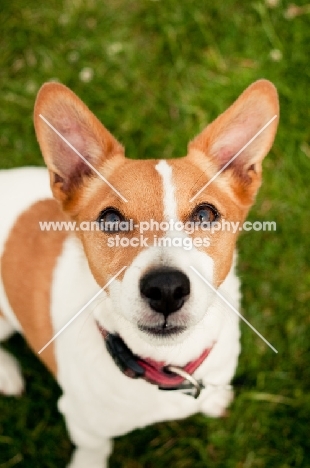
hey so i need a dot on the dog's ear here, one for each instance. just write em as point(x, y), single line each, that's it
point(59, 107)
point(233, 130)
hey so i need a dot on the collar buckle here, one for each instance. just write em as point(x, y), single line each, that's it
point(190, 386)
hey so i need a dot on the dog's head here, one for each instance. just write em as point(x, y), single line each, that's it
point(170, 211)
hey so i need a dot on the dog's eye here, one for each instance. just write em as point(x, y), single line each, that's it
point(111, 220)
point(205, 213)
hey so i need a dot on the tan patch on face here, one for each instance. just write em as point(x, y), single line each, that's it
point(1, 314)
point(188, 179)
point(140, 183)
point(27, 268)
point(227, 181)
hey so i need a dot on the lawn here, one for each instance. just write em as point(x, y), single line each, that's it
point(156, 72)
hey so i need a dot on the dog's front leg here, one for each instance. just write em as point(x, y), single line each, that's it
point(91, 457)
point(218, 393)
point(216, 401)
point(93, 448)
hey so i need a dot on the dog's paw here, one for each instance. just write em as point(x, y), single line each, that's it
point(11, 381)
point(89, 458)
point(216, 401)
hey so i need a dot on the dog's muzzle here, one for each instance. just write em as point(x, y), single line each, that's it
point(166, 377)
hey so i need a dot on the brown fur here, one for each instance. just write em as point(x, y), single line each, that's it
point(27, 265)
point(222, 243)
point(131, 177)
point(84, 195)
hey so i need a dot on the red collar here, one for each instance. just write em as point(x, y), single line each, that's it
point(152, 371)
point(157, 374)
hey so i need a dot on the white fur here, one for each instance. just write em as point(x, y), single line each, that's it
point(170, 204)
point(11, 381)
point(98, 401)
point(125, 320)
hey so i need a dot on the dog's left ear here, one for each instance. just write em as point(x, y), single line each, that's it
point(59, 107)
point(233, 130)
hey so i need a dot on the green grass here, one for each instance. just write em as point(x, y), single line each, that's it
point(161, 71)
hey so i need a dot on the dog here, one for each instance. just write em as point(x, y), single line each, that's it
point(157, 342)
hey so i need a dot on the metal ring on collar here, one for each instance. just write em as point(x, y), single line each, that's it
point(182, 373)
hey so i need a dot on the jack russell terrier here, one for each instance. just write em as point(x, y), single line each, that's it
point(156, 335)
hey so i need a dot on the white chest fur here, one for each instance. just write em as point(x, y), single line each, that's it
point(98, 399)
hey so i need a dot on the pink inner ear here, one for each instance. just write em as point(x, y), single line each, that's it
point(224, 155)
point(72, 131)
point(231, 142)
point(65, 159)
point(233, 139)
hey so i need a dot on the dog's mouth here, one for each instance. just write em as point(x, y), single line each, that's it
point(164, 330)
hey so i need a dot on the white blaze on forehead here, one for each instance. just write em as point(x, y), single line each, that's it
point(170, 205)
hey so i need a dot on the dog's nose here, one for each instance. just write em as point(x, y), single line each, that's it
point(165, 289)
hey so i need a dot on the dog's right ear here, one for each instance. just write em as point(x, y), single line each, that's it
point(59, 107)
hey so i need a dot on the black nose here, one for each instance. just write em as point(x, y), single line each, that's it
point(165, 289)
